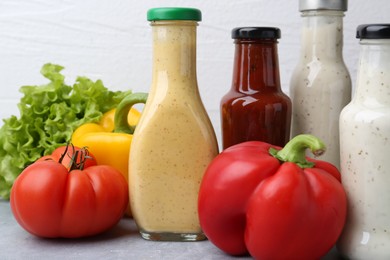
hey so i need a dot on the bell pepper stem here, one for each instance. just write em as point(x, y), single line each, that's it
point(120, 120)
point(294, 150)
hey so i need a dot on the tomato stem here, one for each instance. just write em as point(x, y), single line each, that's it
point(78, 159)
point(65, 153)
point(294, 150)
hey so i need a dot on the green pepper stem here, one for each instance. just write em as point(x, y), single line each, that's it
point(294, 150)
point(120, 120)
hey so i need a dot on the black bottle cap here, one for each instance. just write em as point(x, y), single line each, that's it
point(373, 31)
point(256, 33)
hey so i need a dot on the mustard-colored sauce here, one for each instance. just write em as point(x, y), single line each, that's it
point(174, 141)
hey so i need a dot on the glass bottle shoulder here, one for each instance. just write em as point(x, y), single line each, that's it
point(173, 112)
point(235, 98)
point(319, 74)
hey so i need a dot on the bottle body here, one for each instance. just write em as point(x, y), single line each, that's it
point(255, 108)
point(365, 149)
point(174, 140)
point(320, 86)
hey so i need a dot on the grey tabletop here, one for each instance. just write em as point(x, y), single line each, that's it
point(121, 242)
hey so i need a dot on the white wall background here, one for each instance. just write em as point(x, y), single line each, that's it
point(111, 40)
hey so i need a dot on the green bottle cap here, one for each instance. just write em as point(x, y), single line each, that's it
point(174, 13)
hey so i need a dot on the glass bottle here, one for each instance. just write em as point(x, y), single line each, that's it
point(255, 108)
point(174, 140)
point(365, 150)
point(320, 86)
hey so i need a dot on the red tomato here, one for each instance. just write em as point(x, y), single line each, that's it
point(267, 205)
point(49, 201)
point(64, 155)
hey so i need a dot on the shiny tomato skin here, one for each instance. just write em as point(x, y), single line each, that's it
point(36, 198)
point(48, 201)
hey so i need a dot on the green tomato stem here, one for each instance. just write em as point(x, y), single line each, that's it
point(294, 150)
point(78, 158)
point(120, 120)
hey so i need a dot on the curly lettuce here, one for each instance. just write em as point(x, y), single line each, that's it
point(48, 116)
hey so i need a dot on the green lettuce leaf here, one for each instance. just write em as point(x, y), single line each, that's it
point(48, 116)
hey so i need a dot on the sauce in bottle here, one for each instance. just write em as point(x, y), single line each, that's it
point(365, 150)
point(255, 108)
point(174, 141)
point(320, 85)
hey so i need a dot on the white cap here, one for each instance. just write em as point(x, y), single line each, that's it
point(337, 5)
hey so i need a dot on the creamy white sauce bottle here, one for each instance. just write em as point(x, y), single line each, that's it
point(320, 85)
point(365, 150)
point(174, 140)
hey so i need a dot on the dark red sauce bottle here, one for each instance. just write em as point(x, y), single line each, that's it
point(255, 108)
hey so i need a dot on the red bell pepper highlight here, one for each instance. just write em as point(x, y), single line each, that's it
point(273, 203)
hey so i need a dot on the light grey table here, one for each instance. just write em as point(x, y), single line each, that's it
point(121, 242)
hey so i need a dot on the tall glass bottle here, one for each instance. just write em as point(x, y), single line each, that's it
point(255, 108)
point(365, 150)
point(174, 140)
point(320, 85)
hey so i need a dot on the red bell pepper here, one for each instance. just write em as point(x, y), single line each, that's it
point(273, 203)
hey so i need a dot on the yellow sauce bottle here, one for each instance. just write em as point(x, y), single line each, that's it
point(174, 141)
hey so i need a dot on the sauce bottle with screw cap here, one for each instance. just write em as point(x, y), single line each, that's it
point(174, 141)
point(320, 85)
point(365, 150)
point(255, 108)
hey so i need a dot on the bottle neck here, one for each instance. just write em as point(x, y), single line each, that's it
point(256, 66)
point(174, 53)
point(322, 35)
point(373, 81)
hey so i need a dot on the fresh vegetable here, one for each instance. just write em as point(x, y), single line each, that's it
point(48, 200)
point(108, 118)
point(65, 154)
point(273, 203)
point(48, 116)
point(111, 145)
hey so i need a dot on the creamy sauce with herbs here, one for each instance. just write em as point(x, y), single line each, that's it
point(320, 85)
point(365, 163)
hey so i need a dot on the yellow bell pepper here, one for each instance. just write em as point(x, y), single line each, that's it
point(109, 140)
